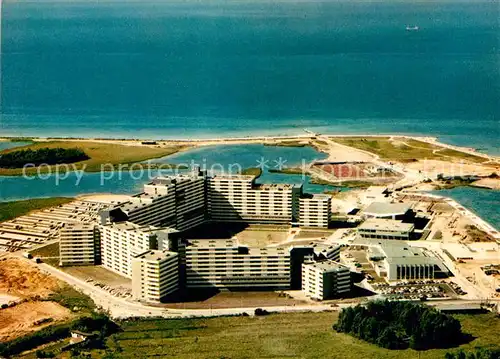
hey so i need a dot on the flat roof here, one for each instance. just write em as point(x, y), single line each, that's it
point(155, 255)
point(273, 186)
point(233, 177)
point(78, 225)
point(169, 180)
point(138, 201)
point(401, 253)
point(269, 251)
point(130, 226)
point(214, 243)
point(386, 225)
point(479, 251)
point(326, 265)
point(316, 196)
point(375, 190)
point(386, 209)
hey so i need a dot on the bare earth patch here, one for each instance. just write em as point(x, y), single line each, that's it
point(20, 278)
point(21, 319)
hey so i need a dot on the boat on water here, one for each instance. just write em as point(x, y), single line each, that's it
point(412, 28)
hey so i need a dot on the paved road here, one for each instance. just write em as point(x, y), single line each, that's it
point(122, 308)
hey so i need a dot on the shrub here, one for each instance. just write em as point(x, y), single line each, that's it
point(398, 325)
point(50, 156)
point(260, 311)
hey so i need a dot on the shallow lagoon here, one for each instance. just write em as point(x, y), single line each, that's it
point(226, 158)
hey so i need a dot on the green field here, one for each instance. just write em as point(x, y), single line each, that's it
point(298, 335)
point(9, 210)
point(99, 153)
point(403, 149)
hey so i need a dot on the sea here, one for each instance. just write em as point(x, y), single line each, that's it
point(220, 68)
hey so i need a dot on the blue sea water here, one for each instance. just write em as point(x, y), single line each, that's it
point(218, 68)
point(223, 68)
point(483, 202)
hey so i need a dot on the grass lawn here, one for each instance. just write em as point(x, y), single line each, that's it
point(405, 149)
point(69, 297)
point(298, 335)
point(99, 153)
point(9, 210)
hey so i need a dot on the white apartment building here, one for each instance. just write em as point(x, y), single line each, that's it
point(189, 209)
point(315, 210)
point(376, 228)
point(325, 280)
point(176, 202)
point(155, 275)
point(226, 264)
point(234, 198)
point(79, 244)
point(120, 242)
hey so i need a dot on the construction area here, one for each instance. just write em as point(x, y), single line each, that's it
point(25, 291)
point(355, 171)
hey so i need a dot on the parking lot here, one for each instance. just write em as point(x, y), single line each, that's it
point(423, 289)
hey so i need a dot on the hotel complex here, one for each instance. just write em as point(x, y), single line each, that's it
point(144, 238)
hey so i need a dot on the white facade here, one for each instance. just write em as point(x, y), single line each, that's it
point(120, 242)
point(226, 264)
point(238, 198)
point(79, 244)
point(176, 202)
point(397, 261)
point(326, 279)
point(189, 193)
point(155, 275)
point(315, 210)
point(375, 228)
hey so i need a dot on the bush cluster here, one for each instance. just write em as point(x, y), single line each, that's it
point(479, 353)
point(97, 323)
point(50, 156)
point(399, 325)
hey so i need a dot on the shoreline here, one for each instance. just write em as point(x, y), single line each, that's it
point(433, 140)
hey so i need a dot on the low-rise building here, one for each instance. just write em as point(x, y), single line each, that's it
point(315, 210)
point(325, 280)
point(385, 210)
point(155, 275)
point(375, 228)
point(79, 244)
point(397, 261)
point(227, 264)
